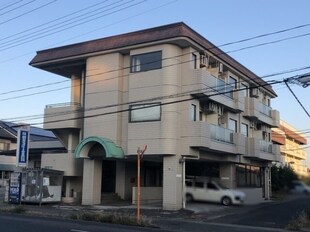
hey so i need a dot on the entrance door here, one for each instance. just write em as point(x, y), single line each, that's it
point(108, 176)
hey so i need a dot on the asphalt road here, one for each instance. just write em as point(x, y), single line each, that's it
point(15, 223)
point(271, 215)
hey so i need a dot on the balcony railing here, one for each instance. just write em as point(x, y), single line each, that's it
point(221, 134)
point(264, 109)
point(265, 146)
point(222, 87)
point(64, 104)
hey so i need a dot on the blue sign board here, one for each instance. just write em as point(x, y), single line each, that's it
point(22, 147)
point(15, 188)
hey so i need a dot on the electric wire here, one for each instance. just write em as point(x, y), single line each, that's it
point(18, 7)
point(265, 35)
point(144, 100)
point(77, 23)
point(47, 28)
point(9, 5)
point(28, 12)
point(97, 81)
point(299, 102)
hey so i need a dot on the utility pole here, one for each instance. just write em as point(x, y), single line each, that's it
point(139, 155)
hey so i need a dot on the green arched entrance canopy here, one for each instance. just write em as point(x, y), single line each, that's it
point(111, 149)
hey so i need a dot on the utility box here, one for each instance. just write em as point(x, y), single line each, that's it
point(41, 186)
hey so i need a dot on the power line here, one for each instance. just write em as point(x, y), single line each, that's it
point(16, 8)
point(268, 43)
point(9, 5)
point(76, 23)
point(265, 35)
point(54, 20)
point(153, 99)
point(302, 106)
point(30, 11)
point(96, 81)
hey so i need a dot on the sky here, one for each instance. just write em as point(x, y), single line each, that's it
point(28, 26)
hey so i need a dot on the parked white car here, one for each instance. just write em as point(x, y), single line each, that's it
point(211, 191)
point(299, 187)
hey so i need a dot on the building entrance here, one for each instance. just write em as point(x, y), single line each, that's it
point(108, 176)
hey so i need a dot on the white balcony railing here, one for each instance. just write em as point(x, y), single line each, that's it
point(221, 134)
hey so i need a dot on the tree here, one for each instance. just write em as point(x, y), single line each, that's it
point(282, 177)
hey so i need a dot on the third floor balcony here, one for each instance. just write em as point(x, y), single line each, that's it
point(254, 109)
point(201, 83)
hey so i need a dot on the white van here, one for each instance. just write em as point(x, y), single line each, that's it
point(211, 191)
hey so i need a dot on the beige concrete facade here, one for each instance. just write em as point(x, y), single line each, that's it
point(207, 108)
point(292, 149)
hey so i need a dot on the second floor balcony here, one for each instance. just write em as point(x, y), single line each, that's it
point(261, 149)
point(213, 137)
point(63, 115)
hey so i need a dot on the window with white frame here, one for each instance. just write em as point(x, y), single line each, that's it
point(193, 112)
point(233, 82)
point(244, 129)
point(194, 61)
point(145, 112)
point(244, 90)
point(232, 125)
point(146, 61)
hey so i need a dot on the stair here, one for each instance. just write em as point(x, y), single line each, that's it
point(111, 199)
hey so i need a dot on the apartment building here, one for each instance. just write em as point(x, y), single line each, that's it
point(292, 150)
point(199, 111)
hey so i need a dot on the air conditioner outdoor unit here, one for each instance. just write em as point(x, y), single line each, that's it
point(254, 92)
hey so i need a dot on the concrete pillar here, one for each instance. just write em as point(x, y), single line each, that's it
point(120, 179)
point(172, 183)
point(267, 183)
point(92, 180)
point(227, 175)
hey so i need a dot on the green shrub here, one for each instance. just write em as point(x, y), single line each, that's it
point(112, 218)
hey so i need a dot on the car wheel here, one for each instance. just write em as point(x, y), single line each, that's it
point(226, 201)
point(189, 198)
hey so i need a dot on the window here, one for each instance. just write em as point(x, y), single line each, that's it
point(146, 62)
point(145, 112)
point(245, 90)
point(232, 125)
point(244, 129)
point(248, 176)
point(193, 112)
point(194, 60)
point(233, 82)
point(4, 146)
